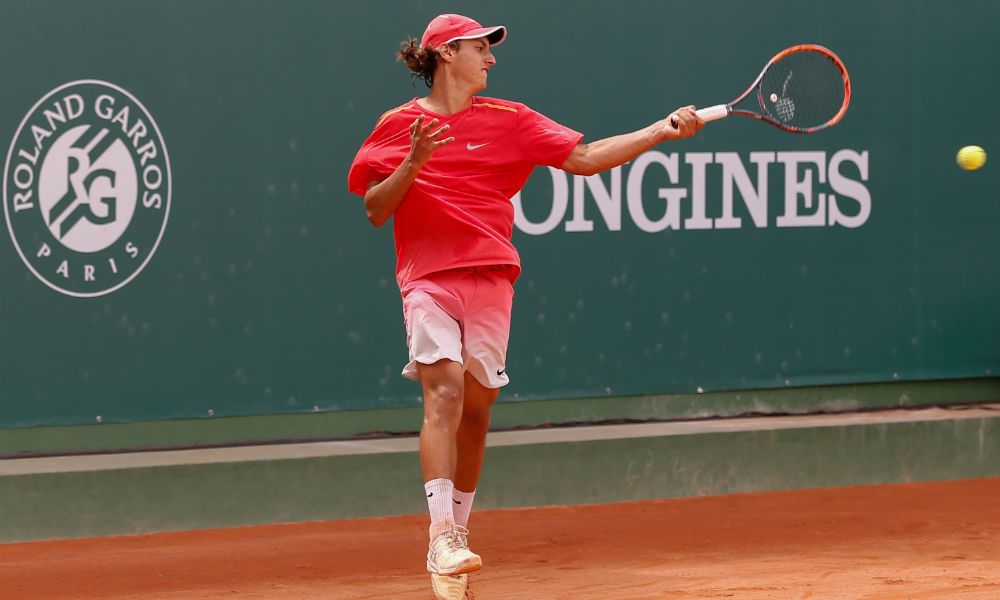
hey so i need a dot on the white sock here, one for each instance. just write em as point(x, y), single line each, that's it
point(439, 501)
point(463, 506)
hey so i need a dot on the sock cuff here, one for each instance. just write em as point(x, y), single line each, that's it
point(463, 496)
point(436, 484)
point(439, 501)
point(462, 507)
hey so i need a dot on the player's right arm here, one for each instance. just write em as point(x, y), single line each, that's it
point(385, 195)
point(592, 158)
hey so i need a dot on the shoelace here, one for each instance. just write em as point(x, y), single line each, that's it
point(449, 541)
point(458, 538)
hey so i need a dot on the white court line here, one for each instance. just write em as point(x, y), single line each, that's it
point(268, 452)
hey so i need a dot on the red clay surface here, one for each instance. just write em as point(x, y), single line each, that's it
point(912, 541)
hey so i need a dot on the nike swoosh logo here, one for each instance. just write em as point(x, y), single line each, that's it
point(469, 146)
point(457, 501)
point(500, 372)
point(430, 494)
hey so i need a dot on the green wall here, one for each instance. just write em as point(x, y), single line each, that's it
point(257, 286)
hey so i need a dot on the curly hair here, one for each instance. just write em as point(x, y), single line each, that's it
point(420, 60)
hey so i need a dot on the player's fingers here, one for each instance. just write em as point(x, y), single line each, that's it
point(687, 121)
point(678, 115)
point(445, 141)
point(699, 122)
point(678, 120)
point(443, 129)
point(430, 126)
point(690, 127)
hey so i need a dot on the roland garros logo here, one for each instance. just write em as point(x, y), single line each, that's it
point(87, 188)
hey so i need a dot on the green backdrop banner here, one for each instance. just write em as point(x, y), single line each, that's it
point(181, 241)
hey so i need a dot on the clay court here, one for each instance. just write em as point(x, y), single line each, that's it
point(750, 364)
point(903, 541)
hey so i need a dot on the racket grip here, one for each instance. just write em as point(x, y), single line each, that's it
point(713, 113)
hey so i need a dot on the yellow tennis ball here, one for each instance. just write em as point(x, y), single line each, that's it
point(971, 157)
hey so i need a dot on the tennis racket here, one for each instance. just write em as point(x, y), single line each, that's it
point(803, 89)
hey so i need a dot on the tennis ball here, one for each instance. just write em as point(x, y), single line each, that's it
point(971, 158)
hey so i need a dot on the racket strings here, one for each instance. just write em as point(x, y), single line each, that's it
point(803, 90)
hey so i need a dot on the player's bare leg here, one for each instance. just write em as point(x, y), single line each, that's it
point(471, 444)
point(444, 389)
point(471, 439)
point(444, 392)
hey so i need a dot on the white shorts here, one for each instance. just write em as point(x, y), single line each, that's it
point(461, 315)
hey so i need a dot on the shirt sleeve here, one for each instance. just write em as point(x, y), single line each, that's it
point(371, 162)
point(381, 153)
point(544, 141)
point(360, 173)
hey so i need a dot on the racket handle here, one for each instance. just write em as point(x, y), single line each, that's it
point(713, 113)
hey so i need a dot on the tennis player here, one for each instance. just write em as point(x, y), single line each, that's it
point(445, 166)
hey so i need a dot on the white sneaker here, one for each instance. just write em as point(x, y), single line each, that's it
point(449, 587)
point(449, 553)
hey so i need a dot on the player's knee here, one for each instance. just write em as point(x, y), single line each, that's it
point(477, 418)
point(442, 403)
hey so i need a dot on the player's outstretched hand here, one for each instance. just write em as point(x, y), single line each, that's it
point(682, 123)
point(424, 139)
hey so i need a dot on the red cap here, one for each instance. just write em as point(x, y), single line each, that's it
point(448, 28)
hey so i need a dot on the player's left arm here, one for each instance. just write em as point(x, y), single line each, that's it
point(384, 196)
point(601, 155)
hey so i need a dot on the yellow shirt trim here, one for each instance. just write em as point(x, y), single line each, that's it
point(392, 112)
point(500, 106)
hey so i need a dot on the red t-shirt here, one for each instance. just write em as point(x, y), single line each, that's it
point(458, 211)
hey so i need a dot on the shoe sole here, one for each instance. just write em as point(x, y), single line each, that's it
point(473, 564)
point(441, 593)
